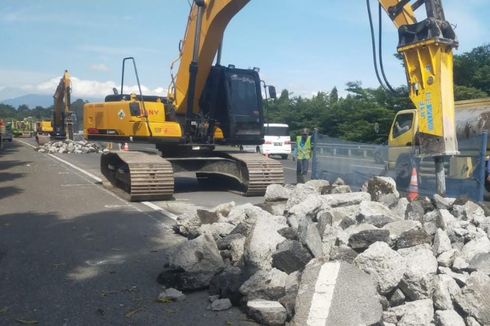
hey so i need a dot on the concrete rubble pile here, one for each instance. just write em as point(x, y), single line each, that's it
point(390, 261)
point(69, 147)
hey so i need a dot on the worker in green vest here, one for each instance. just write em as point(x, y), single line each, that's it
point(303, 155)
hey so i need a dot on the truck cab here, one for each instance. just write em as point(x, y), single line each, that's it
point(402, 135)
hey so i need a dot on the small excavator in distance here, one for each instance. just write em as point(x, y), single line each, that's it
point(62, 116)
point(61, 126)
point(212, 104)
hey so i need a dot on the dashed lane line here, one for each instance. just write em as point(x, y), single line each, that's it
point(99, 181)
point(323, 296)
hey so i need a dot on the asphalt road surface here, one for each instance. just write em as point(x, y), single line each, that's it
point(73, 253)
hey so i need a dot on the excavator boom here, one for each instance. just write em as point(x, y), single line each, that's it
point(204, 34)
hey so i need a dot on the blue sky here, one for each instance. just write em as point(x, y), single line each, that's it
point(305, 46)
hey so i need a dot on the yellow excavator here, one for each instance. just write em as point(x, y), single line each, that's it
point(62, 115)
point(212, 104)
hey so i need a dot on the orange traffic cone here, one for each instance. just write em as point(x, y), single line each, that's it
point(413, 188)
point(125, 147)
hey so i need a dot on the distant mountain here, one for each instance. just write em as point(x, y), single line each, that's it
point(33, 100)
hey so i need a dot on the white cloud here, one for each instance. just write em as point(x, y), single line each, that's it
point(99, 67)
point(91, 88)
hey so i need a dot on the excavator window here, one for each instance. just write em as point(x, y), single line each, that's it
point(403, 124)
point(244, 98)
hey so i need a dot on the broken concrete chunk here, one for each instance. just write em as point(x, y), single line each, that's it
point(444, 219)
point(344, 237)
point(375, 213)
point(267, 312)
point(363, 239)
point(341, 190)
point(397, 298)
point(475, 247)
point(351, 292)
point(274, 208)
point(309, 236)
point(354, 198)
point(442, 202)
point(270, 285)
point(473, 213)
point(385, 265)
point(343, 253)
point(223, 210)
point(470, 321)
point(418, 281)
point(413, 237)
point(481, 263)
point(289, 233)
point(276, 192)
point(299, 194)
point(292, 286)
point(445, 290)
point(220, 305)
point(307, 208)
point(397, 228)
point(415, 211)
point(227, 284)
point(188, 225)
point(441, 242)
point(383, 189)
point(448, 318)
point(207, 217)
point(420, 312)
point(171, 295)
point(474, 298)
point(401, 207)
point(192, 265)
point(446, 259)
point(261, 243)
point(217, 230)
point(460, 278)
point(321, 186)
point(290, 256)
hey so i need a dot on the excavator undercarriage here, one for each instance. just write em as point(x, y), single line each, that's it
point(145, 176)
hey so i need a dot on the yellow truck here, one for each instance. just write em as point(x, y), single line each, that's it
point(472, 117)
point(44, 130)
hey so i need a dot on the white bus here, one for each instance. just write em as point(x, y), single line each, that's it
point(276, 141)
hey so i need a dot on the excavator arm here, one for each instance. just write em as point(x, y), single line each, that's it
point(62, 123)
point(427, 49)
point(204, 34)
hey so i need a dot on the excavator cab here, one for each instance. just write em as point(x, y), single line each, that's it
point(232, 101)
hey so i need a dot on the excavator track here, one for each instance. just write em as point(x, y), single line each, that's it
point(140, 175)
point(258, 172)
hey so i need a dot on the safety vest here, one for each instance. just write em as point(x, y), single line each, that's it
point(304, 152)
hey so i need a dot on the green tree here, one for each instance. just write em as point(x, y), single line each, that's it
point(472, 71)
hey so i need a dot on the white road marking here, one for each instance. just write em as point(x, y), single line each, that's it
point(77, 185)
point(88, 174)
point(158, 208)
point(25, 143)
point(99, 180)
point(322, 298)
